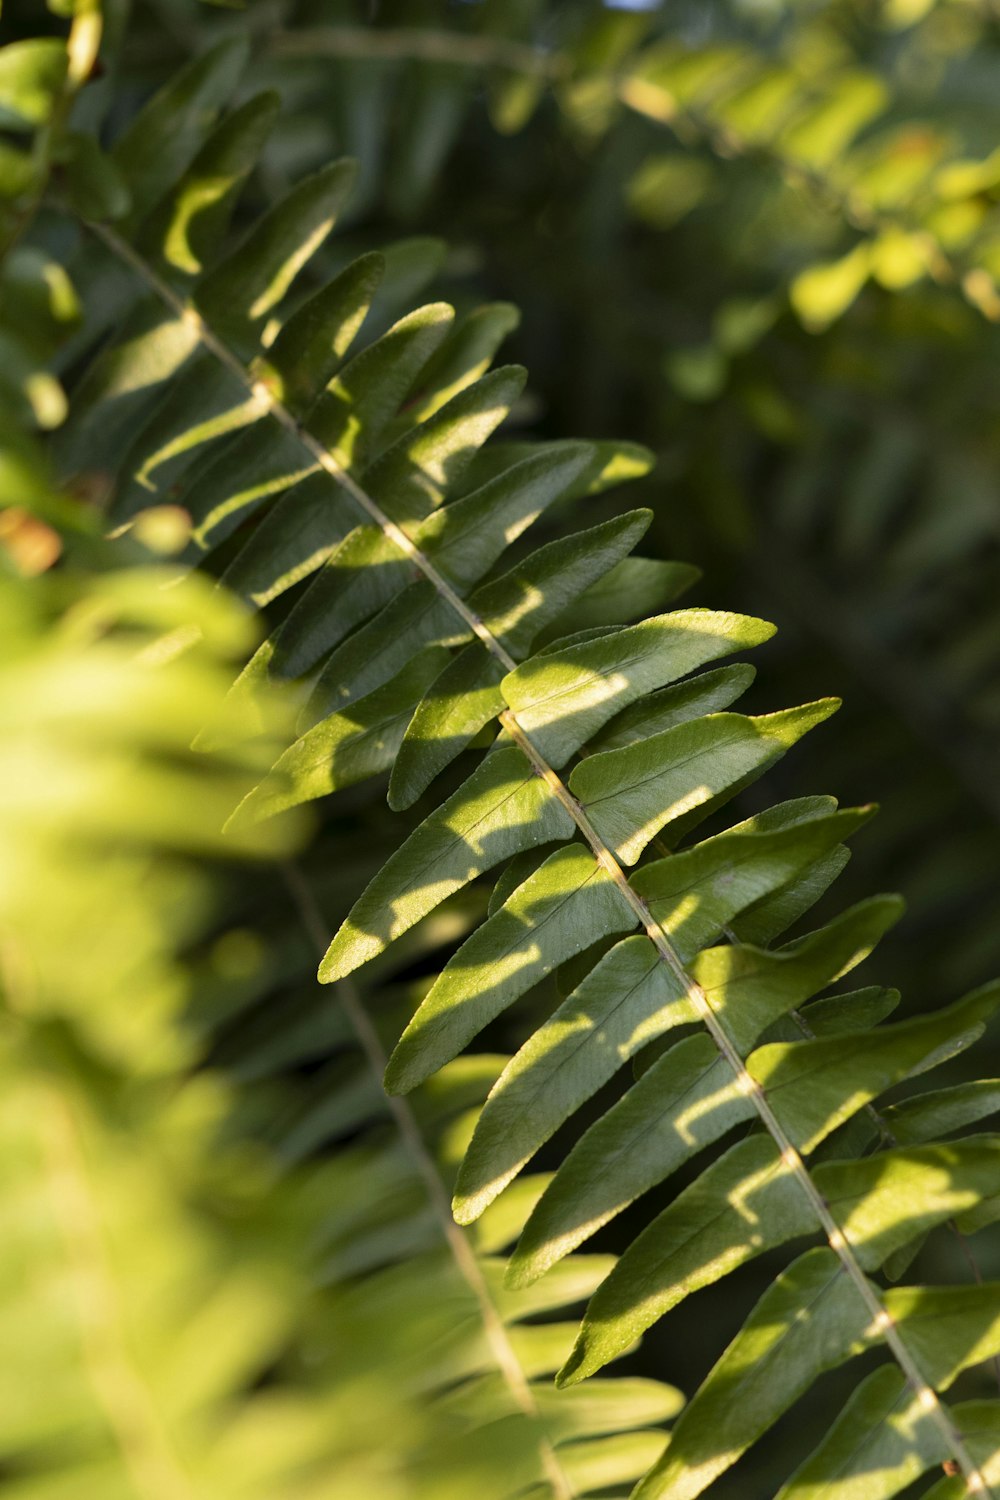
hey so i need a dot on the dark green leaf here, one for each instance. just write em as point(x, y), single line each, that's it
point(501, 809)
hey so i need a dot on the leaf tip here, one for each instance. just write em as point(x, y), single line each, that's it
point(574, 1370)
point(520, 1273)
point(465, 1211)
point(397, 1077)
point(401, 794)
point(340, 959)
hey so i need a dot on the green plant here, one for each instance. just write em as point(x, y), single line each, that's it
point(657, 254)
point(355, 501)
point(184, 1306)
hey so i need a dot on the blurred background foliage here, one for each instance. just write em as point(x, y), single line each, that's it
point(760, 236)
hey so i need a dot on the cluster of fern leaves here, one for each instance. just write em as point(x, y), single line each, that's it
point(674, 192)
point(547, 716)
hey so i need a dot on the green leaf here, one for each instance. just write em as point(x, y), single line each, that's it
point(352, 419)
point(880, 1443)
point(467, 537)
point(165, 134)
point(32, 75)
point(541, 1347)
point(594, 1466)
point(979, 1424)
point(740, 1206)
point(572, 1282)
point(708, 693)
point(502, 1222)
point(206, 407)
point(464, 356)
point(823, 292)
point(410, 267)
point(346, 747)
point(463, 699)
point(630, 794)
point(311, 345)
point(607, 1406)
point(811, 1319)
point(684, 1102)
point(187, 226)
point(748, 1201)
point(687, 1098)
point(567, 903)
point(362, 575)
point(629, 998)
point(305, 525)
point(601, 1406)
point(410, 480)
point(464, 540)
point(639, 586)
point(20, 171)
point(513, 875)
point(749, 988)
point(860, 1010)
point(928, 1117)
point(245, 473)
point(368, 570)
point(40, 303)
point(296, 536)
point(515, 608)
point(124, 380)
point(885, 1201)
point(239, 293)
point(267, 459)
point(520, 603)
point(813, 1086)
point(562, 698)
point(695, 894)
point(613, 463)
point(825, 130)
point(95, 188)
point(771, 917)
point(382, 647)
point(502, 808)
point(946, 1328)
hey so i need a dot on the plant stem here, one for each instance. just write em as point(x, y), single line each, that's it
point(405, 43)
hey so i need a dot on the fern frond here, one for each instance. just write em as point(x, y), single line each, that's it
point(408, 638)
